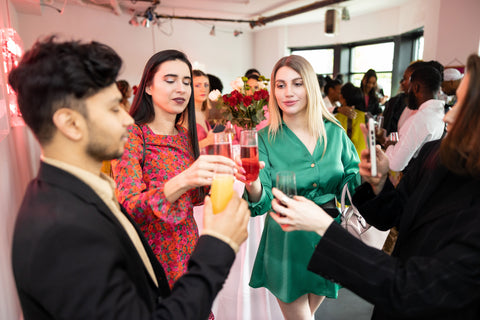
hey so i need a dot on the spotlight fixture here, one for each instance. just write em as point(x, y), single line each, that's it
point(236, 33)
point(212, 32)
point(146, 23)
point(134, 21)
point(345, 14)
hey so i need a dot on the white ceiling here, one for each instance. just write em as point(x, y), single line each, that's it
point(225, 9)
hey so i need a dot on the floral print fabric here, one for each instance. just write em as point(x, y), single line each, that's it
point(170, 228)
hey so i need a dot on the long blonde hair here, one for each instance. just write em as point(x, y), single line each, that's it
point(316, 109)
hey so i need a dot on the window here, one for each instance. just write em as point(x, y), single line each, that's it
point(378, 57)
point(352, 60)
point(320, 59)
point(417, 49)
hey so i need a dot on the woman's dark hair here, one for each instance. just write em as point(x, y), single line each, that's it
point(215, 83)
point(53, 75)
point(251, 71)
point(143, 110)
point(460, 150)
point(353, 95)
point(123, 87)
point(370, 73)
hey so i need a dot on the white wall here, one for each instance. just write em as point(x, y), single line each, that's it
point(224, 55)
point(458, 31)
point(451, 30)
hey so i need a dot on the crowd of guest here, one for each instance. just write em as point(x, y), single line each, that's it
point(89, 247)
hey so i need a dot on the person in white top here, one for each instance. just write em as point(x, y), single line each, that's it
point(332, 94)
point(425, 124)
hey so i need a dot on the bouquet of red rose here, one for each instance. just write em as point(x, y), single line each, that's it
point(240, 108)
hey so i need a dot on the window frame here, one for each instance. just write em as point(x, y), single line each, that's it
point(403, 55)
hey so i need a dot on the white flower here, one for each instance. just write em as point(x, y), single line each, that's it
point(237, 84)
point(261, 85)
point(214, 95)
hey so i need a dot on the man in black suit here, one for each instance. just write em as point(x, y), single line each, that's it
point(76, 253)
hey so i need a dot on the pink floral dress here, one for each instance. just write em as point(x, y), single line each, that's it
point(170, 228)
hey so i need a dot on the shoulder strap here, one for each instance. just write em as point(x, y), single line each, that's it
point(143, 152)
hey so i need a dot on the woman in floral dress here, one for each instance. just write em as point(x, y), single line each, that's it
point(161, 176)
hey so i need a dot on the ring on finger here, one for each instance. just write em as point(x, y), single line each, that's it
point(284, 200)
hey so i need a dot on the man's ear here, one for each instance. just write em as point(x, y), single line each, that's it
point(70, 123)
point(416, 87)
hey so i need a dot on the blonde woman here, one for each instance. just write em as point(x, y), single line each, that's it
point(305, 138)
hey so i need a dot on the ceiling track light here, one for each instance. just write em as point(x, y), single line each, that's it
point(212, 32)
point(236, 33)
point(134, 21)
point(345, 14)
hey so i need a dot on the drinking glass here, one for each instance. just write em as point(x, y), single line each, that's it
point(221, 191)
point(393, 137)
point(249, 154)
point(379, 122)
point(222, 144)
point(286, 183)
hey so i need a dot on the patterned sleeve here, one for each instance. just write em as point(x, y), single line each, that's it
point(138, 198)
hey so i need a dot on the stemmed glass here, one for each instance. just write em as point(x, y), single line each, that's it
point(249, 154)
point(222, 144)
point(286, 183)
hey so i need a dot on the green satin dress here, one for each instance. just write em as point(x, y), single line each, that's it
point(282, 257)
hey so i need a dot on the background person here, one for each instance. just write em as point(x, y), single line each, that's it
point(201, 89)
point(368, 85)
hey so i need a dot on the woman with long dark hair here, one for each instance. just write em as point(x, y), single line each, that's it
point(368, 85)
point(161, 176)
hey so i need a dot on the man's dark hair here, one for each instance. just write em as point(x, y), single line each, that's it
point(215, 83)
point(53, 75)
point(428, 77)
point(353, 95)
point(331, 84)
point(438, 66)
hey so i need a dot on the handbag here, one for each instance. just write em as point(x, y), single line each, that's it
point(355, 224)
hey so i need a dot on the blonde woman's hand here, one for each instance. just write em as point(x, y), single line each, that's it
point(299, 213)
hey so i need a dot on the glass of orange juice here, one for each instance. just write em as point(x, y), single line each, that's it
point(221, 191)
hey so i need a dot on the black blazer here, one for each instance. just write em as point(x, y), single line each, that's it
point(434, 271)
point(73, 260)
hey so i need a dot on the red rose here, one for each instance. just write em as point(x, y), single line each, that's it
point(247, 100)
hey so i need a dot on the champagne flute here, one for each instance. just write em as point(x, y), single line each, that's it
point(249, 154)
point(221, 191)
point(222, 144)
point(286, 183)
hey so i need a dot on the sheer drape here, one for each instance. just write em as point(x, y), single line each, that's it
point(19, 160)
point(237, 300)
